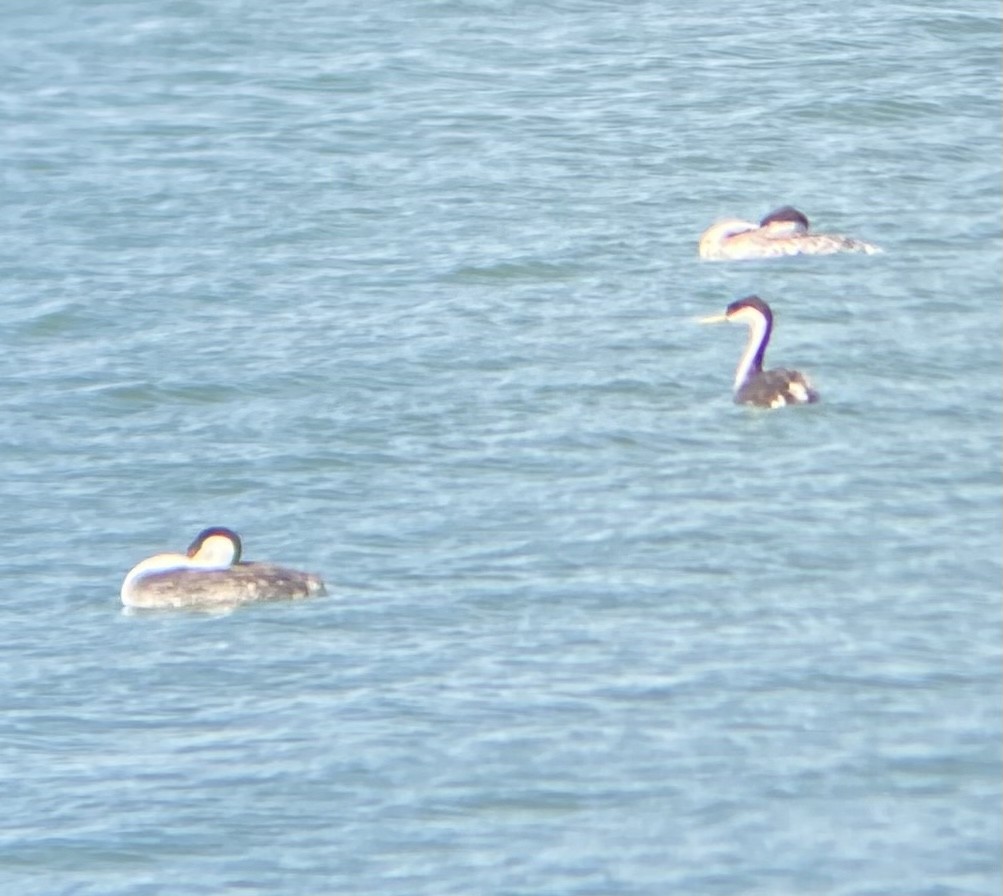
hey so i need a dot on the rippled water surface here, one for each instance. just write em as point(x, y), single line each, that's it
point(405, 293)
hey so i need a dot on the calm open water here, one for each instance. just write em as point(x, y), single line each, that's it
point(404, 293)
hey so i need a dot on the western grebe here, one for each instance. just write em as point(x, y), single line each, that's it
point(211, 575)
point(784, 231)
point(753, 385)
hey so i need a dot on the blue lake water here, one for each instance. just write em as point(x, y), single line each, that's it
point(405, 294)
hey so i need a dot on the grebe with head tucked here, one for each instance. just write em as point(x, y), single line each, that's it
point(212, 575)
point(753, 385)
point(784, 231)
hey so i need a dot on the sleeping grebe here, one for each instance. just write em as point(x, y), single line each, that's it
point(211, 575)
point(784, 231)
point(753, 385)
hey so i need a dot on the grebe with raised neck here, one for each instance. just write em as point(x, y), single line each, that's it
point(211, 575)
point(784, 231)
point(753, 385)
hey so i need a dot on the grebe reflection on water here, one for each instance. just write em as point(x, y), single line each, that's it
point(211, 575)
point(784, 231)
point(753, 385)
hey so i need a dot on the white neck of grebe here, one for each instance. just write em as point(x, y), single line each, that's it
point(152, 565)
point(215, 553)
point(755, 347)
point(714, 237)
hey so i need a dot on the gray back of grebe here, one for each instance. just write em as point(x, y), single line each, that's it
point(242, 583)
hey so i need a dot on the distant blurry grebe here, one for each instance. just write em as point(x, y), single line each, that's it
point(784, 231)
